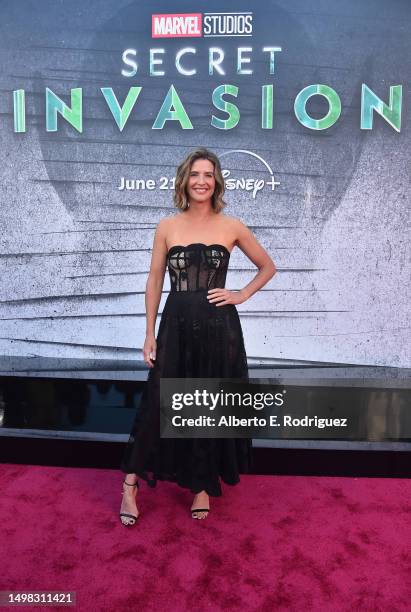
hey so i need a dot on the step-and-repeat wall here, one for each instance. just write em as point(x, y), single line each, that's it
point(306, 104)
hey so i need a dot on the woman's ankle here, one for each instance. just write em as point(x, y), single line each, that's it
point(130, 479)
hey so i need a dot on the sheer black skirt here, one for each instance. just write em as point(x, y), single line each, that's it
point(195, 339)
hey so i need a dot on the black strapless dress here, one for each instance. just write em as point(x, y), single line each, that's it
point(195, 339)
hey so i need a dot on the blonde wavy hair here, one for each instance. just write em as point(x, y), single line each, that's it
point(183, 172)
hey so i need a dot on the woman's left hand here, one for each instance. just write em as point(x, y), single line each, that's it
point(224, 296)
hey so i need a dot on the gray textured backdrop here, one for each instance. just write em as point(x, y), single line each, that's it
point(75, 251)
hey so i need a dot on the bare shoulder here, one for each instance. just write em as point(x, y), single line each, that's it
point(165, 224)
point(236, 227)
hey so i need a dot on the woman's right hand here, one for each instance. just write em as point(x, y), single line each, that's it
point(150, 350)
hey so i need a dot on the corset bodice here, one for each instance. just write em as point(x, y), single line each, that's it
point(197, 266)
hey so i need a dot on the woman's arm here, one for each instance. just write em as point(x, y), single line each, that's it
point(249, 244)
point(154, 287)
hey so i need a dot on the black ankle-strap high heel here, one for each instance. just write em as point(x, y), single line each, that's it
point(125, 514)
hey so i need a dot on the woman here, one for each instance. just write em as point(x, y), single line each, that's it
point(199, 336)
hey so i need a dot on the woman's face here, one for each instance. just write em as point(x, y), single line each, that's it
point(201, 181)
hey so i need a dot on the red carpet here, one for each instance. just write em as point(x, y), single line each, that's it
point(270, 543)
